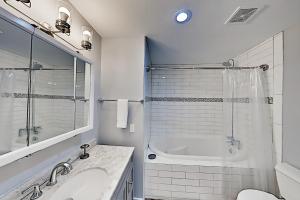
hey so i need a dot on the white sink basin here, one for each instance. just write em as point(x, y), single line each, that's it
point(87, 185)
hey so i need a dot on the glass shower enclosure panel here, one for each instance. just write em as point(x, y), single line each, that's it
point(82, 93)
point(52, 91)
point(15, 48)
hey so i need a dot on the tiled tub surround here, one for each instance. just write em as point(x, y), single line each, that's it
point(193, 167)
point(178, 108)
point(113, 159)
point(196, 181)
point(190, 101)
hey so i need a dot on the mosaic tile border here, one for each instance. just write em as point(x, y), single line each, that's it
point(40, 96)
point(268, 100)
point(186, 99)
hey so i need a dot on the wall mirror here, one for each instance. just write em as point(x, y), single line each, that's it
point(15, 45)
point(44, 91)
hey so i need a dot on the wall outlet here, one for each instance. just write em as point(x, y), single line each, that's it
point(131, 128)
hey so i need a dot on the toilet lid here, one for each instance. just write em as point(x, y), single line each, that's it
point(255, 195)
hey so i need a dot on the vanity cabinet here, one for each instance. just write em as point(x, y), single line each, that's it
point(124, 190)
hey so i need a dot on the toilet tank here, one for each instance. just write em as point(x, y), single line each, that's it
point(288, 178)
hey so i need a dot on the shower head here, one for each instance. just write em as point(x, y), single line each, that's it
point(228, 63)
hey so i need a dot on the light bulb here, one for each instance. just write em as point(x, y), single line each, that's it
point(64, 14)
point(86, 35)
point(181, 17)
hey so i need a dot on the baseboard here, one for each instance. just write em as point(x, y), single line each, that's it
point(136, 198)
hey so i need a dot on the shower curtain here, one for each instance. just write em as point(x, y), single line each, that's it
point(247, 133)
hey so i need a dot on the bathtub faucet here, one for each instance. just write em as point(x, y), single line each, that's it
point(233, 142)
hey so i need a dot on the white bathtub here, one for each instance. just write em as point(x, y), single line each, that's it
point(192, 167)
point(208, 150)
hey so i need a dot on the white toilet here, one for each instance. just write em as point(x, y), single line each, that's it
point(288, 179)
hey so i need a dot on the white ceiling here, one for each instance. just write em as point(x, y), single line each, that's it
point(204, 40)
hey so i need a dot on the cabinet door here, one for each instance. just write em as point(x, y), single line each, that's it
point(129, 186)
point(122, 193)
point(15, 45)
point(126, 189)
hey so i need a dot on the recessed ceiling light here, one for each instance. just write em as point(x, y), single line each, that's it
point(183, 16)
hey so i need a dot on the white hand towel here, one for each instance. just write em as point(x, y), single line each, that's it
point(122, 113)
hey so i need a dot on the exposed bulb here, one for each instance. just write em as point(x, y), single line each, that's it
point(64, 14)
point(86, 35)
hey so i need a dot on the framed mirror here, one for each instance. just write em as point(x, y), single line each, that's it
point(45, 92)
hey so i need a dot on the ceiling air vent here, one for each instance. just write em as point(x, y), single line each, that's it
point(241, 15)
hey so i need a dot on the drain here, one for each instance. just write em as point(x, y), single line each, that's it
point(152, 156)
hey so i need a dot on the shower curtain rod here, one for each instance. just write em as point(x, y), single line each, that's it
point(264, 67)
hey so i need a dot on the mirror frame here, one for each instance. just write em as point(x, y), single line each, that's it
point(28, 150)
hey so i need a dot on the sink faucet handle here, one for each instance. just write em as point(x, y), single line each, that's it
point(36, 191)
point(67, 168)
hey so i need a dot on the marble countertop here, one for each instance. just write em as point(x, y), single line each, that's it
point(113, 159)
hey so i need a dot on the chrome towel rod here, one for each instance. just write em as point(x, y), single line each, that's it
point(111, 100)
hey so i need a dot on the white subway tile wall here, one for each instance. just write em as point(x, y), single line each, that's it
point(170, 181)
point(187, 117)
point(278, 92)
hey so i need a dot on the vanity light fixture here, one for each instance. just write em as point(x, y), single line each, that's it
point(63, 23)
point(25, 2)
point(87, 36)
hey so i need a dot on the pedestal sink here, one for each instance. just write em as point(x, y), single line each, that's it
point(86, 185)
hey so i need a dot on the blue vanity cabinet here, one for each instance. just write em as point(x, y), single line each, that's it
point(124, 190)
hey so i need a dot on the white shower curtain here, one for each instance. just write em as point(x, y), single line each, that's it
point(247, 132)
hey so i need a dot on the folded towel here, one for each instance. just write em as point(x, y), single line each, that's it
point(122, 113)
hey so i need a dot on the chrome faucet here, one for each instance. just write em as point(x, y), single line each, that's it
point(67, 167)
